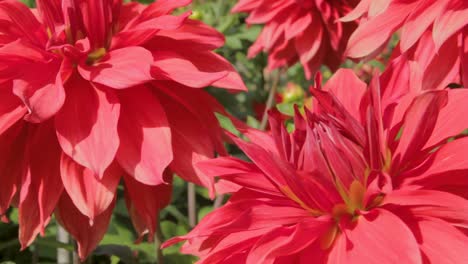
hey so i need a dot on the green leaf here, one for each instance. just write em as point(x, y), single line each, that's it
point(227, 124)
point(204, 211)
point(286, 108)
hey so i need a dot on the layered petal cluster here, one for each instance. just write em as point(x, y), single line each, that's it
point(433, 32)
point(359, 180)
point(300, 30)
point(93, 91)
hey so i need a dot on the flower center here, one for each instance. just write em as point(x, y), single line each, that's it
point(96, 55)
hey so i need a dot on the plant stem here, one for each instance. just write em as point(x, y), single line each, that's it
point(271, 99)
point(158, 241)
point(63, 255)
point(192, 204)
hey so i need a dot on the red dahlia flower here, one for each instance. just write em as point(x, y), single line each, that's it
point(433, 32)
point(300, 30)
point(355, 182)
point(93, 90)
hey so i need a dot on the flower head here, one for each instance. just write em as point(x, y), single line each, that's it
point(362, 179)
point(94, 90)
point(299, 30)
point(432, 32)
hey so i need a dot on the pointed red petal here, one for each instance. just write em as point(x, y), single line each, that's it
point(77, 224)
point(419, 123)
point(144, 203)
point(87, 125)
point(451, 20)
point(452, 119)
point(352, 94)
point(429, 203)
point(145, 150)
point(11, 109)
point(12, 144)
point(41, 185)
point(121, 68)
point(287, 240)
point(396, 242)
point(442, 243)
point(373, 33)
point(418, 21)
point(92, 196)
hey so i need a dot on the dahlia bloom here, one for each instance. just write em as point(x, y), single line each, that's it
point(94, 90)
point(355, 182)
point(300, 30)
point(433, 32)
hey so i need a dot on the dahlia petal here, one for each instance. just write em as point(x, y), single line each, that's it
point(41, 185)
point(142, 32)
point(224, 249)
point(266, 11)
point(144, 203)
point(361, 8)
point(464, 58)
point(11, 109)
point(191, 145)
point(443, 68)
point(373, 33)
point(145, 150)
point(245, 6)
point(308, 43)
point(24, 21)
point(12, 144)
point(430, 203)
point(225, 166)
point(378, 6)
point(167, 22)
point(250, 214)
point(452, 119)
point(121, 68)
point(197, 34)
point(262, 139)
point(163, 7)
point(451, 20)
point(396, 242)
point(287, 240)
point(43, 100)
point(298, 25)
point(418, 21)
point(351, 97)
point(287, 180)
point(92, 196)
point(419, 123)
point(235, 173)
point(449, 157)
point(89, 134)
point(87, 236)
point(442, 243)
point(170, 66)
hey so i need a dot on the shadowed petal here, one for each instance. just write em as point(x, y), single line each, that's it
point(145, 150)
point(87, 125)
point(87, 236)
point(92, 196)
point(41, 185)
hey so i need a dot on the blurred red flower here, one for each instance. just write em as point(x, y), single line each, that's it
point(433, 32)
point(300, 30)
point(359, 180)
point(94, 90)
